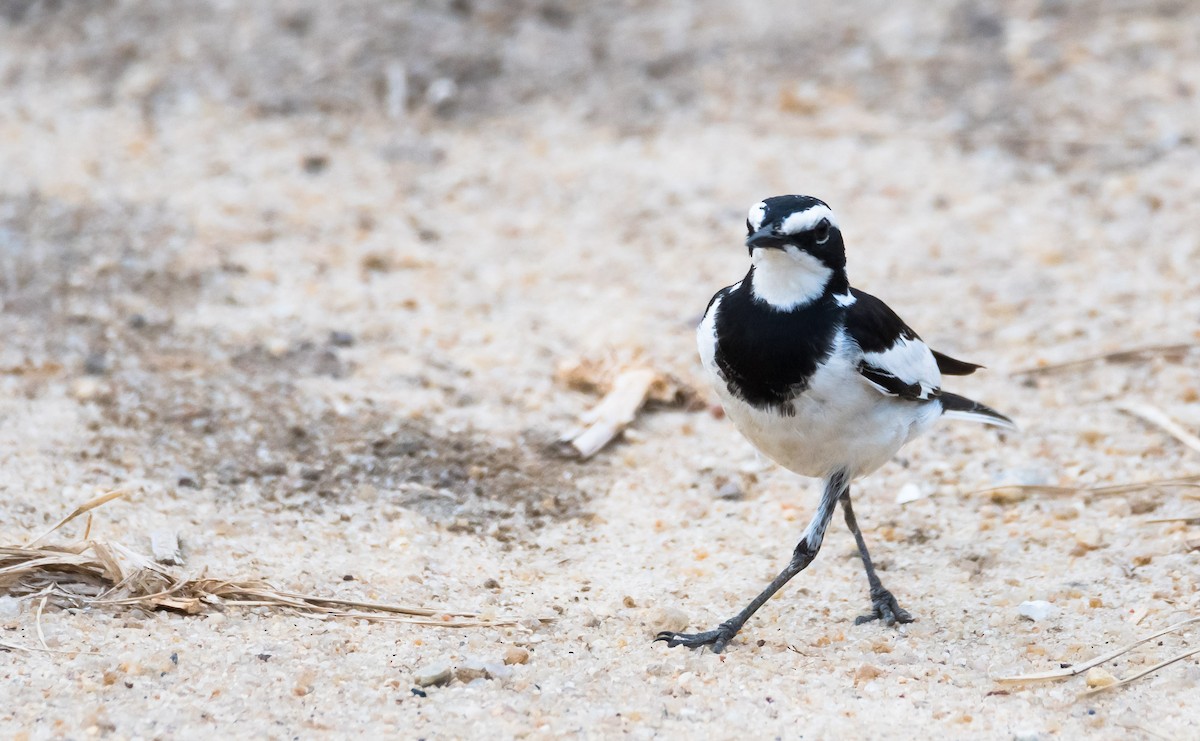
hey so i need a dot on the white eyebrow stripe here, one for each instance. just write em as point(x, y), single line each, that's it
point(804, 220)
point(755, 217)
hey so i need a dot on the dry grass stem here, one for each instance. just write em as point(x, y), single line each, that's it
point(16, 647)
point(87, 506)
point(1134, 677)
point(1159, 418)
point(108, 573)
point(100, 572)
point(1006, 494)
point(38, 622)
point(1081, 668)
point(1120, 356)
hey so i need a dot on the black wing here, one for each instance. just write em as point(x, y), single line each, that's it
point(894, 359)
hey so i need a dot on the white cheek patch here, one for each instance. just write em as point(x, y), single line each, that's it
point(788, 278)
point(755, 217)
point(802, 221)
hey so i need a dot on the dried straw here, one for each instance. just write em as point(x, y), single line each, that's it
point(629, 384)
point(1138, 675)
point(1077, 669)
point(1120, 356)
point(1159, 419)
point(101, 572)
point(1003, 493)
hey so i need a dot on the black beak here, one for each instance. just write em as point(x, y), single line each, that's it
point(765, 237)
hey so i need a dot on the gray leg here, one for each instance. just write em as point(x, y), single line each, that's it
point(884, 604)
point(806, 550)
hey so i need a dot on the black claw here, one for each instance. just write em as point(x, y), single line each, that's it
point(717, 639)
point(886, 609)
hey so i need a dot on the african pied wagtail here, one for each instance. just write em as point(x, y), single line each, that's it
point(822, 378)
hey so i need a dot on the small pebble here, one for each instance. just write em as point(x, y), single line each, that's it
point(187, 481)
point(470, 670)
point(1088, 538)
point(164, 546)
point(277, 347)
point(866, 673)
point(730, 491)
point(10, 607)
point(434, 674)
point(910, 492)
point(95, 364)
point(1036, 610)
point(339, 338)
point(86, 389)
point(1099, 677)
point(668, 618)
point(315, 164)
point(516, 655)
point(1008, 495)
point(532, 623)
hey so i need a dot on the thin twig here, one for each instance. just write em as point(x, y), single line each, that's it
point(1134, 677)
point(1159, 418)
point(98, 572)
point(1081, 668)
point(72, 652)
point(104, 498)
point(38, 622)
point(1120, 356)
point(1192, 481)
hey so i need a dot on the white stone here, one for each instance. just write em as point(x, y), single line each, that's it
point(910, 492)
point(1036, 610)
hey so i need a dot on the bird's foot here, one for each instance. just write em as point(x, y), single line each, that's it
point(885, 608)
point(717, 639)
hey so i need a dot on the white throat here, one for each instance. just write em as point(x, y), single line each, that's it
point(788, 278)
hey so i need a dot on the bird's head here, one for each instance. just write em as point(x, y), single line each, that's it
point(796, 248)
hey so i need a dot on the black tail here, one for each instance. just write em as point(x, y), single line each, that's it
point(960, 407)
point(951, 367)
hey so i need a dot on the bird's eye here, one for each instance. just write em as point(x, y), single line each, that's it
point(821, 233)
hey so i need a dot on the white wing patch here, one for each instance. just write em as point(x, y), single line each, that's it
point(706, 332)
point(910, 363)
point(802, 221)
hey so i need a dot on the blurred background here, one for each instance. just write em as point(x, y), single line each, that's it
point(304, 274)
point(437, 202)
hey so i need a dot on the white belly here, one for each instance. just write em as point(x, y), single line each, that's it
point(841, 421)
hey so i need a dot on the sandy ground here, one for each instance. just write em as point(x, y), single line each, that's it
point(300, 278)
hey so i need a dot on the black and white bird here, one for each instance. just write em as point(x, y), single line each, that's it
point(825, 380)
